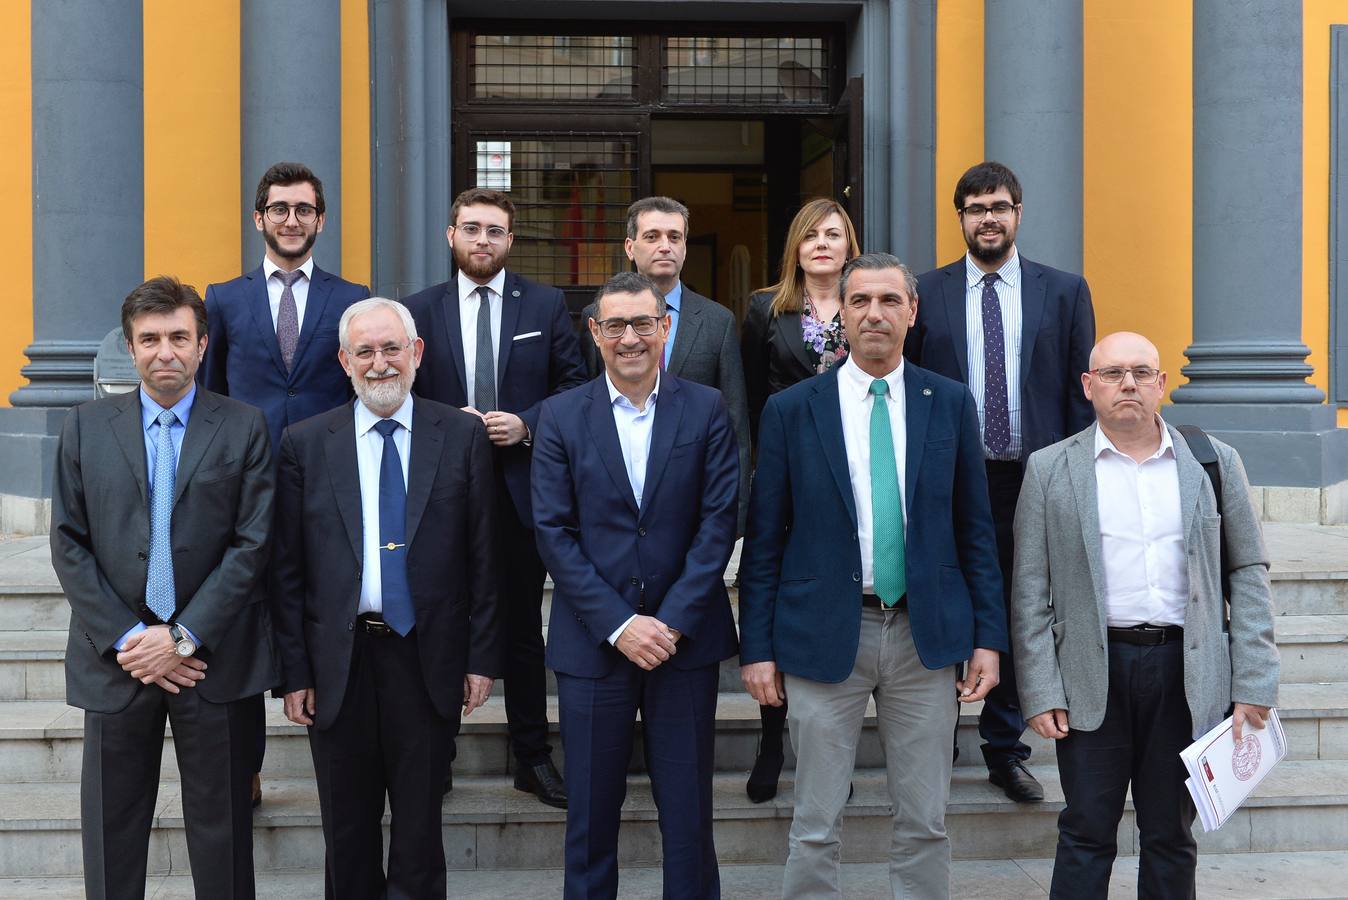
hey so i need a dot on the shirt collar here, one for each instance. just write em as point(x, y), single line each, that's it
point(468, 285)
point(675, 296)
point(150, 409)
point(1009, 271)
point(858, 383)
point(1103, 443)
point(269, 267)
point(366, 419)
point(618, 398)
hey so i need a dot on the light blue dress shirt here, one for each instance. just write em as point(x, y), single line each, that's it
point(673, 300)
point(369, 460)
point(1008, 300)
point(634, 437)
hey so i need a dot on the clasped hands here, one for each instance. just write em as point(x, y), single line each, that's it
point(151, 657)
point(648, 642)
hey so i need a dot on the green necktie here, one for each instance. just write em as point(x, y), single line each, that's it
point(887, 561)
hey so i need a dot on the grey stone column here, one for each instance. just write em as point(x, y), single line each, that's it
point(1032, 85)
point(912, 128)
point(88, 189)
point(1247, 370)
point(291, 109)
point(411, 152)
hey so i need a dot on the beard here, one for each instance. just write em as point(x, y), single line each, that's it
point(990, 253)
point(383, 397)
point(474, 269)
point(275, 244)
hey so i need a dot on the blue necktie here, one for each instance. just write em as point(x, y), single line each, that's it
point(996, 408)
point(397, 596)
point(159, 594)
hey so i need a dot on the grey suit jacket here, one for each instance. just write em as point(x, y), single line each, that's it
point(706, 350)
point(1058, 590)
point(222, 518)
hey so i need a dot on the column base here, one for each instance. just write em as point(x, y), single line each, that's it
point(1290, 445)
point(59, 373)
point(28, 440)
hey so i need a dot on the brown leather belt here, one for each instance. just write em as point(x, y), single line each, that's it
point(1147, 635)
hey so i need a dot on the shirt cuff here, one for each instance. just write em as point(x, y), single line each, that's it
point(187, 631)
point(613, 638)
point(134, 629)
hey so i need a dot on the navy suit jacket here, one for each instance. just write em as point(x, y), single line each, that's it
point(537, 356)
point(243, 357)
point(800, 569)
point(608, 558)
point(1057, 333)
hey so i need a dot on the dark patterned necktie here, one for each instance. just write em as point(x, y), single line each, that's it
point(395, 594)
point(288, 318)
point(484, 367)
point(996, 409)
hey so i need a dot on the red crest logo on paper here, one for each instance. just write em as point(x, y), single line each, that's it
point(1245, 757)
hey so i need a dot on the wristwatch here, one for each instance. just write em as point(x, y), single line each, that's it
point(182, 644)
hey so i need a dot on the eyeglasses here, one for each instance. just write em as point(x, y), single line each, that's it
point(999, 210)
point(392, 352)
point(644, 326)
point(1115, 374)
point(495, 233)
point(305, 214)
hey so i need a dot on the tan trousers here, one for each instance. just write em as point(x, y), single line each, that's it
point(916, 713)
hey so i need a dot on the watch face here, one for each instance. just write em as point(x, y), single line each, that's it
point(186, 648)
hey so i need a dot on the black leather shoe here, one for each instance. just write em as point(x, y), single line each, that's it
point(544, 782)
point(1018, 783)
point(762, 784)
point(449, 781)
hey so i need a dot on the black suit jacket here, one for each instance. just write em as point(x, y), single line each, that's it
point(222, 519)
point(451, 568)
point(706, 350)
point(1057, 333)
point(774, 353)
point(536, 357)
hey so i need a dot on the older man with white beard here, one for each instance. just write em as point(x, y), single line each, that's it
point(385, 602)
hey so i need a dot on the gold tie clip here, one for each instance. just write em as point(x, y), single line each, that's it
point(392, 546)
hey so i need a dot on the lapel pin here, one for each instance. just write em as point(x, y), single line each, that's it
point(514, 293)
point(926, 392)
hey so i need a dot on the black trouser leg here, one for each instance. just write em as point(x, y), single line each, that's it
point(526, 687)
point(773, 719)
point(1001, 724)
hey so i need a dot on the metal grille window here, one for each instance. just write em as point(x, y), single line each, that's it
point(571, 194)
point(552, 67)
point(790, 71)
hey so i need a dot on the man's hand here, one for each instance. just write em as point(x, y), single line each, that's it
point(149, 655)
point(299, 706)
point(476, 690)
point(505, 429)
point(981, 677)
point(188, 672)
point(764, 683)
point(1051, 724)
point(1247, 714)
point(475, 411)
point(647, 642)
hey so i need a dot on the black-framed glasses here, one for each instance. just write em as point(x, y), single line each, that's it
point(471, 230)
point(644, 326)
point(999, 210)
point(305, 213)
point(392, 352)
point(1116, 374)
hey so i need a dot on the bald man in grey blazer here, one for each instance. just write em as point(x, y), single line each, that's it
point(1118, 620)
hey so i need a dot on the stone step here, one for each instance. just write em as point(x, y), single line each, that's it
point(1251, 876)
point(41, 741)
point(488, 825)
point(1313, 649)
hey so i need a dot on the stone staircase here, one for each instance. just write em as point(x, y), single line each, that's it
point(490, 827)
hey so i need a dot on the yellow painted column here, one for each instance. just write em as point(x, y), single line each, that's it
point(959, 113)
point(192, 155)
point(1138, 171)
point(356, 190)
point(16, 193)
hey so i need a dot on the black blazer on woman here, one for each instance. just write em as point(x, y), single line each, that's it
point(774, 354)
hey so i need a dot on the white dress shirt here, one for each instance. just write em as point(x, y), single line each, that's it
point(369, 458)
point(856, 400)
point(470, 303)
point(1141, 535)
point(634, 437)
point(1007, 286)
point(300, 289)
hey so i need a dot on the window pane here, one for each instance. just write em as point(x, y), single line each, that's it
point(777, 70)
point(551, 67)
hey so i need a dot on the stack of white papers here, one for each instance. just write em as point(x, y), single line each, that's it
point(1222, 773)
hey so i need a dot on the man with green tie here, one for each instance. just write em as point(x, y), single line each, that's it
point(869, 569)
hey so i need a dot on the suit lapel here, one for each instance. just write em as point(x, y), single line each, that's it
point(690, 322)
point(827, 416)
point(1081, 471)
point(1033, 291)
point(511, 301)
point(427, 439)
point(128, 429)
point(202, 424)
point(599, 419)
point(789, 324)
point(668, 417)
point(954, 288)
point(1191, 478)
point(454, 334)
point(917, 413)
point(344, 473)
point(320, 288)
point(260, 306)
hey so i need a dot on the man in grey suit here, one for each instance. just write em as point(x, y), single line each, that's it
point(161, 513)
point(1119, 625)
point(702, 345)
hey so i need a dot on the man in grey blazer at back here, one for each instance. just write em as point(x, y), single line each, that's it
point(703, 345)
point(1118, 621)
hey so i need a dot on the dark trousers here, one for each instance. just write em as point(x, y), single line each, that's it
point(120, 780)
point(388, 738)
point(678, 716)
point(526, 687)
point(1001, 724)
point(1147, 724)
